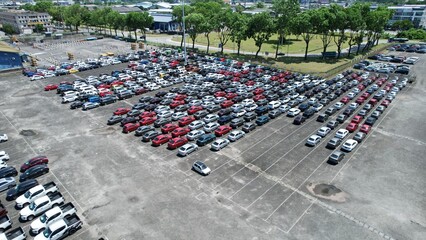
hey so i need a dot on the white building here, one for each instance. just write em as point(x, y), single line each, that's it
point(414, 13)
point(23, 20)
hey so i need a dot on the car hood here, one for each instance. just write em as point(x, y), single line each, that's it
point(206, 170)
point(40, 236)
point(37, 224)
point(26, 211)
point(21, 200)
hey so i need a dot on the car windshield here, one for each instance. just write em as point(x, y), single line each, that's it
point(27, 194)
point(32, 206)
point(47, 232)
point(43, 218)
point(27, 163)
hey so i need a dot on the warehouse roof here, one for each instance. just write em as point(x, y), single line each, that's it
point(4, 47)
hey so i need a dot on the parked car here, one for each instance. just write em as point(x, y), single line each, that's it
point(299, 120)
point(160, 140)
point(219, 144)
point(248, 126)
point(333, 143)
point(201, 168)
point(7, 183)
point(322, 117)
point(34, 161)
point(341, 133)
point(205, 139)
point(33, 172)
point(335, 157)
point(313, 140)
point(323, 131)
point(177, 142)
point(235, 135)
point(187, 149)
point(349, 145)
point(359, 136)
point(20, 189)
point(8, 172)
point(262, 120)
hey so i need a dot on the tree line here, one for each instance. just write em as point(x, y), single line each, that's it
point(353, 25)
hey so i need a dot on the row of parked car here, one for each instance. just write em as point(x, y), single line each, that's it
point(381, 67)
point(380, 101)
point(417, 48)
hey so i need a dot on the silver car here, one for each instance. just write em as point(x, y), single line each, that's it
point(219, 144)
point(6, 183)
point(187, 149)
point(235, 135)
point(194, 135)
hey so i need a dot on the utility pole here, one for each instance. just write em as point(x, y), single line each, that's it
point(183, 24)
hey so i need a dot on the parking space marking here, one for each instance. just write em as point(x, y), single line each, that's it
point(301, 216)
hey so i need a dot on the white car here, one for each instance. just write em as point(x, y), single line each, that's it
point(274, 104)
point(3, 138)
point(4, 156)
point(3, 164)
point(178, 115)
point(201, 168)
point(323, 131)
point(313, 140)
point(195, 134)
point(210, 118)
point(349, 145)
point(49, 75)
point(341, 133)
point(293, 112)
point(196, 125)
point(219, 144)
point(36, 77)
point(67, 99)
point(338, 105)
point(284, 108)
point(210, 127)
point(239, 113)
point(187, 149)
point(251, 107)
point(235, 135)
point(247, 102)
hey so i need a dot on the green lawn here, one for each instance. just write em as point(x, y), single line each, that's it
point(293, 45)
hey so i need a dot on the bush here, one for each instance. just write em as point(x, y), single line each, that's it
point(417, 34)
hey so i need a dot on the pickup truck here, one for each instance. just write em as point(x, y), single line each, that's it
point(40, 205)
point(50, 217)
point(61, 228)
point(34, 193)
point(15, 234)
point(5, 223)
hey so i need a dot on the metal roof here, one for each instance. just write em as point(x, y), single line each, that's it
point(4, 47)
point(162, 18)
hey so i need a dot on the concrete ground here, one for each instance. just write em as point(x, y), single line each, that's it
point(267, 185)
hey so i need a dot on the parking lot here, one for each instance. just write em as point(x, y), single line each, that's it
point(268, 185)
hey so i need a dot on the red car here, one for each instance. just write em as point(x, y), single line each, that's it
point(177, 142)
point(365, 95)
point(365, 128)
point(258, 97)
point(360, 100)
point(357, 119)
point(160, 140)
point(176, 103)
point(50, 87)
point(141, 91)
point(387, 88)
point(104, 85)
point(147, 120)
point(194, 109)
point(147, 114)
point(180, 97)
point(186, 120)
point(258, 91)
point(230, 95)
point(105, 93)
point(130, 127)
point(121, 111)
point(226, 104)
point(34, 161)
point(168, 128)
point(385, 103)
point(222, 130)
point(178, 132)
point(220, 94)
point(345, 100)
point(352, 127)
point(250, 83)
point(372, 101)
point(361, 87)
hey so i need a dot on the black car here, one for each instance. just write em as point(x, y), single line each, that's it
point(34, 172)
point(299, 120)
point(341, 118)
point(303, 106)
point(128, 120)
point(333, 143)
point(348, 111)
point(143, 129)
point(20, 189)
point(8, 172)
point(76, 104)
point(107, 100)
point(309, 113)
point(370, 121)
point(250, 116)
point(114, 119)
point(249, 126)
point(236, 122)
point(322, 117)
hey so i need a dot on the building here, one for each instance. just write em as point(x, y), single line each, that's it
point(163, 20)
point(9, 57)
point(414, 13)
point(23, 20)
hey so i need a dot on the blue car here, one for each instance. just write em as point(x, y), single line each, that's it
point(262, 120)
point(261, 110)
point(95, 99)
point(205, 139)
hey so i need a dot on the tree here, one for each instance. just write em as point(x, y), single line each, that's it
point(340, 24)
point(355, 22)
point(323, 20)
point(285, 10)
point(38, 28)
point(260, 5)
point(260, 28)
point(302, 25)
point(9, 29)
point(73, 16)
point(239, 29)
point(209, 11)
point(223, 22)
point(195, 22)
point(138, 20)
point(177, 14)
point(115, 19)
point(364, 9)
point(402, 25)
point(375, 23)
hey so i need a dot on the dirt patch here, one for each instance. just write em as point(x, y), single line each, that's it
point(103, 131)
point(28, 133)
point(26, 92)
point(327, 191)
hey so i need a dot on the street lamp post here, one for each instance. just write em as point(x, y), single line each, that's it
point(183, 29)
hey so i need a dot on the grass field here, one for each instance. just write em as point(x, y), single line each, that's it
point(293, 45)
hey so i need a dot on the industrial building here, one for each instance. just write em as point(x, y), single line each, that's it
point(25, 21)
point(9, 57)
